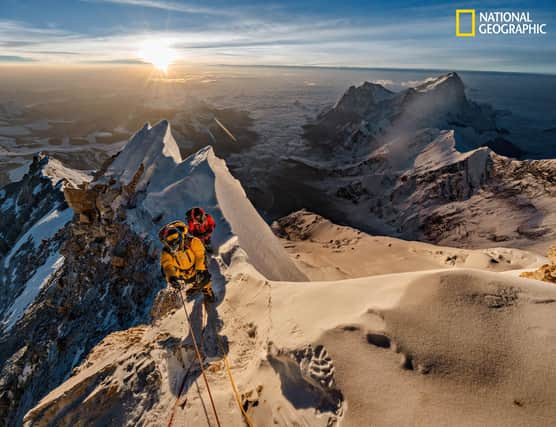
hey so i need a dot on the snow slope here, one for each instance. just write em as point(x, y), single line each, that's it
point(460, 347)
point(169, 187)
point(30, 290)
point(327, 251)
point(43, 229)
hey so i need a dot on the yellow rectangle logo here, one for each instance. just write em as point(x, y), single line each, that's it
point(459, 12)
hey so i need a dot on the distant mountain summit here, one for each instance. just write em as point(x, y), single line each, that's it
point(426, 163)
point(360, 100)
point(367, 115)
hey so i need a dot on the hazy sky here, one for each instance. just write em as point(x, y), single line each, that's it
point(385, 33)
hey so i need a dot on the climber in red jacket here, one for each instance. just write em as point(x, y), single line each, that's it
point(201, 225)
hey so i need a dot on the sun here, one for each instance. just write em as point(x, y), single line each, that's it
point(159, 53)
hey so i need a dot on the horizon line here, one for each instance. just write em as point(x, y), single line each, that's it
point(116, 63)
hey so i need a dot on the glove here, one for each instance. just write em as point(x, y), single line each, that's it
point(208, 293)
point(175, 282)
point(202, 277)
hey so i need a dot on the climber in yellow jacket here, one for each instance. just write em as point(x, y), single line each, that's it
point(183, 260)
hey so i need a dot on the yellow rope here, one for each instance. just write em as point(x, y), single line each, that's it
point(229, 371)
point(200, 359)
point(236, 393)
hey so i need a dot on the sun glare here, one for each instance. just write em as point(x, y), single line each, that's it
point(158, 53)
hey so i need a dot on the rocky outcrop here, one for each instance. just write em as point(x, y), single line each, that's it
point(82, 201)
point(24, 202)
point(165, 302)
point(107, 282)
point(92, 295)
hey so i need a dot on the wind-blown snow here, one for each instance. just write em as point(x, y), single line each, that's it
point(32, 289)
point(431, 83)
point(44, 229)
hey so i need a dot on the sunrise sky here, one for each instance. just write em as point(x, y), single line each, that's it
point(393, 33)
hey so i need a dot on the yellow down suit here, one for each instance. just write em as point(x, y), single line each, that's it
point(185, 262)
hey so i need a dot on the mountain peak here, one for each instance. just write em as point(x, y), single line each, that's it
point(46, 166)
point(152, 148)
point(449, 80)
point(360, 99)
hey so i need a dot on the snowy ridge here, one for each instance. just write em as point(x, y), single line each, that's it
point(152, 147)
point(56, 171)
point(168, 187)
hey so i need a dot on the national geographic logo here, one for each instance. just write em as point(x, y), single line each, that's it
point(496, 23)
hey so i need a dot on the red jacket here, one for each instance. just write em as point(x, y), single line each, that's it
point(202, 230)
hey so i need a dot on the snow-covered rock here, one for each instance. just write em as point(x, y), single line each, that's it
point(360, 100)
point(33, 211)
point(368, 115)
point(166, 187)
point(97, 272)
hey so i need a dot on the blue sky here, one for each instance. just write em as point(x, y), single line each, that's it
point(385, 33)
